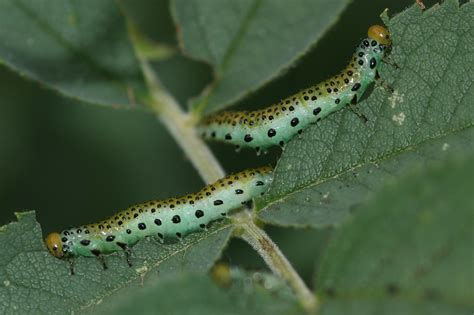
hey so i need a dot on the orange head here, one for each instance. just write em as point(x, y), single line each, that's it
point(54, 244)
point(380, 34)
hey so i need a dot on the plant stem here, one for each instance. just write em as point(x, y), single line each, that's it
point(274, 258)
point(181, 126)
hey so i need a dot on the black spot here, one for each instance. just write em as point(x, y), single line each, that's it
point(153, 210)
point(86, 231)
point(248, 138)
point(282, 144)
point(202, 226)
point(223, 214)
point(329, 90)
point(337, 101)
point(294, 122)
point(392, 289)
point(218, 202)
point(199, 213)
point(110, 238)
point(160, 235)
point(135, 215)
point(66, 233)
point(374, 43)
point(361, 62)
point(158, 222)
point(129, 231)
point(350, 73)
point(239, 191)
point(366, 43)
point(270, 117)
point(291, 108)
point(101, 227)
point(228, 136)
point(313, 98)
point(361, 54)
point(178, 235)
point(79, 231)
point(373, 63)
point(171, 206)
point(85, 242)
point(346, 80)
point(141, 226)
point(271, 132)
point(64, 239)
point(330, 292)
point(260, 183)
point(356, 87)
point(176, 219)
point(316, 111)
point(306, 97)
point(213, 134)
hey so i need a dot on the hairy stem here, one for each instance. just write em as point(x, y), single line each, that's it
point(181, 126)
point(274, 258)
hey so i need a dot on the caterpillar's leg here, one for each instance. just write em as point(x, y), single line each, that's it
point(382, 83)
point(161, 237)
point(355, 110)
point(71, 266)
point(237, 148)
point(421, 4)
point(389, 61)
point(282, 145)
point(100, 257)
point(127, 252)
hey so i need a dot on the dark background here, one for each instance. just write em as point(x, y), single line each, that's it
point(76, 163)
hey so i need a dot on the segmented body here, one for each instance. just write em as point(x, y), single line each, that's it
point(277, 124)
point(170, 218)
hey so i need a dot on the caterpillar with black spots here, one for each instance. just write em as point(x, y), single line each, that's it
point(170, 218)
point(277, 124)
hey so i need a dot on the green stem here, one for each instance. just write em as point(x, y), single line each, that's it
point(181, 126)
point(274, 258)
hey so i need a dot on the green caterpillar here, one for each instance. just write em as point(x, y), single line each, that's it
point(277, 124)
point(170, 218)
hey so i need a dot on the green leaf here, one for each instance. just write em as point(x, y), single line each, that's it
point(408, 251)
point(33, 280)
point(249, 42)
point(78, 48)
point(191, 294)
point(337, 163)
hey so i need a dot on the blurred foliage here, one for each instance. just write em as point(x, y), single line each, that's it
point(76, 163)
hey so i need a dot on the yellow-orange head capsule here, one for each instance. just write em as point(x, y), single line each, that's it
point(380, 34)
point(54, 244)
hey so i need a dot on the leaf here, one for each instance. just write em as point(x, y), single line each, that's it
point(196, 294)
point(408, 251)
point(78, 52)
point(337, 163)
point(249, 42)
point(34, 280)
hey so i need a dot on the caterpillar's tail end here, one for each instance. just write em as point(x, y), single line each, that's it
point(380, 34)
point(54, 245)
